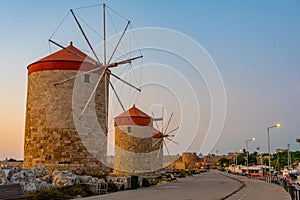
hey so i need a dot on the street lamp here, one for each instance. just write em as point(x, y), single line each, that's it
point(268, 131)
point(247, 156)
point(236, 159)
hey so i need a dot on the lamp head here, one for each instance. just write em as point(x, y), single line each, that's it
point(277, 125)
point(253, 139)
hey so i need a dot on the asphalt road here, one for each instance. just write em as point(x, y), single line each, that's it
point(213, 185)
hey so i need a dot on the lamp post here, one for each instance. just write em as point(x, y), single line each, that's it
point(268, 131)
point(236, 161)
point(247, 156)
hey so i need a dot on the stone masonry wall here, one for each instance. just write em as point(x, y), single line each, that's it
point(51, 136)
point(133, 155)
point(157, 153)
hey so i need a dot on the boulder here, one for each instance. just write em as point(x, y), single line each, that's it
point(42, 174)
point(120, 181)
point(30, 179)
point(63, 178)
point(38, 178)
point(88, 180)
point(83, 179)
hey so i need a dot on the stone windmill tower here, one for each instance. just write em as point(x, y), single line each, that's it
point(133, 142)
point(51, 138)
point(63, 132)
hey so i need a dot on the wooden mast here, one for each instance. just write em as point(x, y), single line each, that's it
point(106, 75)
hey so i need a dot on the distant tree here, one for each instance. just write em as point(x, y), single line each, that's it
point(265, 161)
point(253, 158)
point(241, 159)
point(223, 162)
point(281, 158)
point(264, 154)
point(295, 156)
point(11, 160)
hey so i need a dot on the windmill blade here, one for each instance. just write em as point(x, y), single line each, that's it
point(167, 135)
point(115, 92)
point(155, 121)
point(126, 61)
point(167, 148)
point(70, 51)
point(117, 77)
point(168, 123)
point(162, 121)
point(157, 142)
point(98, 68)
point(106, 101)
point(84, 35)
point(171, 140)
point(73, 77)
point(104, 34)
point(92, 94)
point(172, 131)
point(120, 39)
point(159, 150)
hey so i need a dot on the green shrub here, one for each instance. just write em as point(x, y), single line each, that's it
point(49, 194)
point(112, 187)
point(182, 173)
point(68, 192)
point(145, 183)
point(158, 180)
point(122, 187)
point(76, 190)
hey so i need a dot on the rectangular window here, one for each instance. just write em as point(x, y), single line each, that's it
point(129, 129)
point(86, 78)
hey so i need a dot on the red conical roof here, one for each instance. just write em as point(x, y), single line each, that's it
point(133, 112)
point(133, 116)
point(64, 60)
point(65, 55)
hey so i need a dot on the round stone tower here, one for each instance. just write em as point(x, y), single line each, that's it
point(133, 142)
point(51, 137)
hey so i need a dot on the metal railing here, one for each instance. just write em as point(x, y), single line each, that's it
point(291, 189)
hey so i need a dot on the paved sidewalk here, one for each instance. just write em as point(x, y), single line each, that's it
point(256, 189)
point(213, 185)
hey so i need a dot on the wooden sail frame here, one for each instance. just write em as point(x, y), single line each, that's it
point(163, 133)
point(100, 66)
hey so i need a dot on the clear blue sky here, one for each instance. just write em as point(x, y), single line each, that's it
point(255, 44)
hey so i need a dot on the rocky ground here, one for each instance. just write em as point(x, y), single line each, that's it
point(38, 178)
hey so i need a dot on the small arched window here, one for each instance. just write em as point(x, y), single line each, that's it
point(86, 78)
